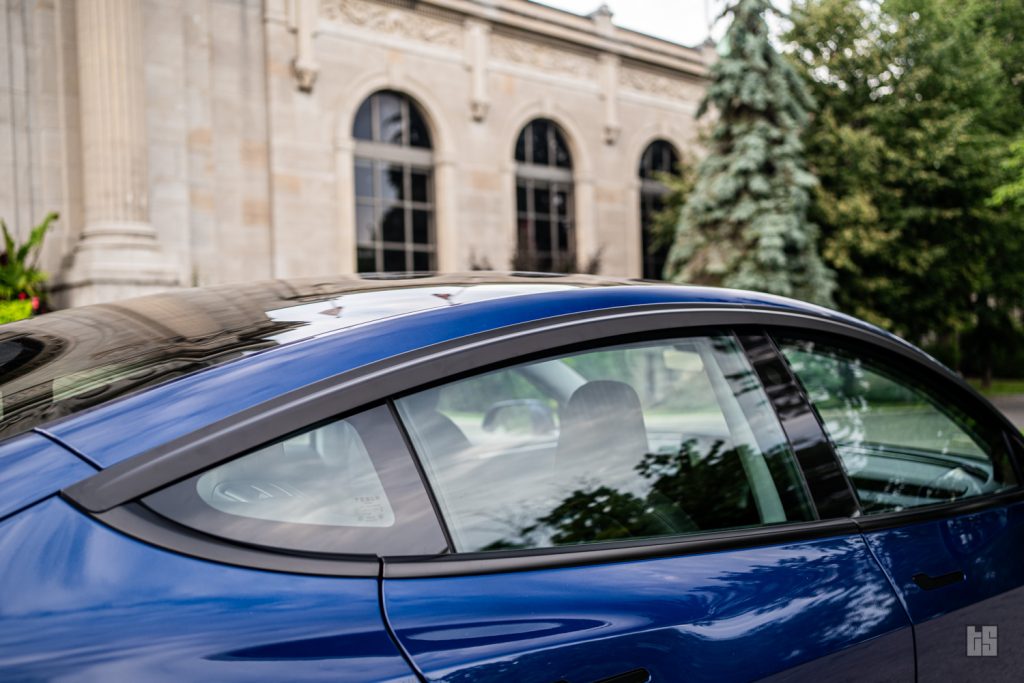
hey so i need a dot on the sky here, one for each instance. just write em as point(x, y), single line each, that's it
point(681, 21)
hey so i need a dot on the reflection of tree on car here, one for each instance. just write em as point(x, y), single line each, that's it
point(696, 488)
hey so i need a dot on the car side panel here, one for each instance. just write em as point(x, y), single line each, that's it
point(33, 467)
point(726, 616)
point(79, 601)
point(988, 547)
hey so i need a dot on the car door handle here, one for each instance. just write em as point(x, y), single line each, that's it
point(930, 583)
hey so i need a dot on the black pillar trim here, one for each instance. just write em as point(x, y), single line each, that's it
point(829, 488)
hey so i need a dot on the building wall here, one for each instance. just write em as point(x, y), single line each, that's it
point(249, 106)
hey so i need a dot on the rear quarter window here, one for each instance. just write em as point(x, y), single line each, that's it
point(903, 443)
point(346, 487)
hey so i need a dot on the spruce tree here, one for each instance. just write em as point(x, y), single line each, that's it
point(745, 222)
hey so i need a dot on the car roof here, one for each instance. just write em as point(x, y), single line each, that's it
point(71, 360)
point(204, 353)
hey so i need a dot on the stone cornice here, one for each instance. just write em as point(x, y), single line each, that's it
point(579, 31)
point(572, 31)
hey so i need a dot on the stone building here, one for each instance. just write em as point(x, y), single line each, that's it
point(206, 141)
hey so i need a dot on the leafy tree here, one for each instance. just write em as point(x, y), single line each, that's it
point(745, 223)
point(917, 107)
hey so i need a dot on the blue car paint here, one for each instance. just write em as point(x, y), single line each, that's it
point(79, 601)
point(727, 616)
point(33, 467)
point(988, 547)
point(163, 413)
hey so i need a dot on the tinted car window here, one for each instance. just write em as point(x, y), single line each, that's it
point(630, 441)
point(902, 444)
point(348, 486)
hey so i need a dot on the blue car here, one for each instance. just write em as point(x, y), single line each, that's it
point(489, 477)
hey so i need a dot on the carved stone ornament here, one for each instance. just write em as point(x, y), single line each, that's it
point(542, 57)
point(655, 84)
point(393, 20)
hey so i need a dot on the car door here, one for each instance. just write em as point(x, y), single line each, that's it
point(631, 511)
point(941, 508)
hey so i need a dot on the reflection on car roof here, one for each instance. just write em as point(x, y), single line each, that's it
point(65, 362)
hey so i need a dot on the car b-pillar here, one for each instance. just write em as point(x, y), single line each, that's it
point(117, 254)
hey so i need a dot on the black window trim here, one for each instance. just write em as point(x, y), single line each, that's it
point(822, 471)
point(110, 494)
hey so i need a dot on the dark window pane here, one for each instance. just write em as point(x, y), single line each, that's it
point(562, 157)
point(362, 129)
point(523, 235)
point(671, 163)
point(389, 106)
point(539, 140)
point(521, 198)
point(420, 184)
point(397, 185)
point(366, 260)
point(394, 261)
point(366, 224)
point(364, 178)
point(421, 261)
point(541, 200)
point(394, 224)
point(420, 226)
point(563, 235)
point(542, 233)
point(655, 253)
point(345, 487)
point(657, 204)
point(561, 200)
point(543, 262)
point(419, 136)
point(659, 157)
point(521, 145)
point(392, 185)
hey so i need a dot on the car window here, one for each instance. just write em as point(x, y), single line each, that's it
point(629, 441)
point(902, 444)
point(349, 486)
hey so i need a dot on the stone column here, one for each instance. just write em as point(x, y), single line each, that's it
point(118, 254)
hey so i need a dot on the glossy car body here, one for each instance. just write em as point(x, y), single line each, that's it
point(95, 584)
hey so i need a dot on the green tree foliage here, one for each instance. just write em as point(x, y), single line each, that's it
point(918, 102)
point(1011, 194)
point(745, 223)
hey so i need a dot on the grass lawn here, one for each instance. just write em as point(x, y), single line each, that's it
point(1000, 387)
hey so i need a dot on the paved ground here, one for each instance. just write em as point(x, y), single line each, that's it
point(1012, 406)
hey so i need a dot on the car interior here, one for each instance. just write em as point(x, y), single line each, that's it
point(559, 458)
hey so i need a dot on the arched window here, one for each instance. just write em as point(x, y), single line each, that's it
point(544, 199)
point(659, 158)
point(394, 182)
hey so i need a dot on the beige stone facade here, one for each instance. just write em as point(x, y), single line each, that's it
point(207, 141)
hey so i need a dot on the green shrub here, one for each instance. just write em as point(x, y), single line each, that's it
point(11, 311)
point(21, 279)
